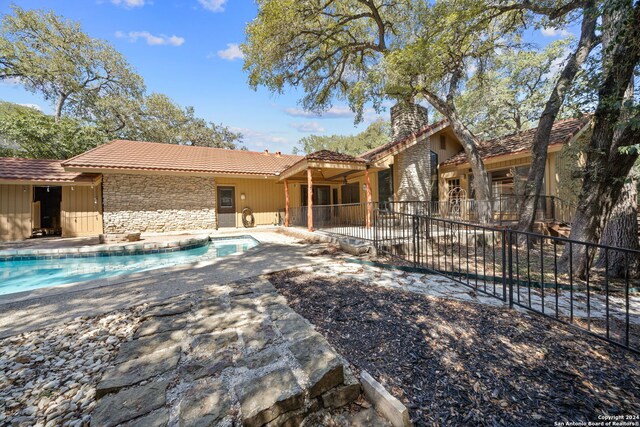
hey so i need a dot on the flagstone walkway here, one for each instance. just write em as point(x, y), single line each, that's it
point(234, 354)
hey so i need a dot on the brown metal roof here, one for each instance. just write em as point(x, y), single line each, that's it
point(39, 170)
point(562, 132)
point(137, 155)
point(383, 150)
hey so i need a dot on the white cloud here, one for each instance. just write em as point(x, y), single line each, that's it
point(307, 127)
point(258, 140)
point(335, 112)
point(555, 32)
point(152, 40)
point(231, 53)
point(369, 115)
point(129, 3)
point(11, 81)
point(34, 106)
point(213, 5)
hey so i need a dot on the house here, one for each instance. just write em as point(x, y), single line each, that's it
point(151, 187)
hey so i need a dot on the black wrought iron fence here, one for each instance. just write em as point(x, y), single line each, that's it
point(593, 287)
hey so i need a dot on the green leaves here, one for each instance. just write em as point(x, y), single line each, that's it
point(26, 132)
point(510, 96)
point(95, 93)
point(53, 56)
point(376, 134)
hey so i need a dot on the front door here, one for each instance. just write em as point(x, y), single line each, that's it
point(226, 207)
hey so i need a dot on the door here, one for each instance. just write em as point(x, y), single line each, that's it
point(226, 206)
point(321, 199)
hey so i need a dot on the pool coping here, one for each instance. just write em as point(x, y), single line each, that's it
point(137, 248)
point(125, 278)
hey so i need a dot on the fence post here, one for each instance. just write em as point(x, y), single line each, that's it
point(375, 229)
point(510, 267)
point(504, 256)
point(415, 230)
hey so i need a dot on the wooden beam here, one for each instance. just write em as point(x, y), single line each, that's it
point(369, 200)
point(309, 200)
point(286, 203)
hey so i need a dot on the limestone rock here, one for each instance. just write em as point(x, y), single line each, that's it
point(265, 398)
point(161, 324)
point(320, 363)
point(159, 418)
point(204, 404)
point(134, 371)
point(150, 344)
point(128, 404)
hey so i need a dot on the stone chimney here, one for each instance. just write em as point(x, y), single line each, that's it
point(406, 118)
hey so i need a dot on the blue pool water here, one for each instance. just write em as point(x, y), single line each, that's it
point(19, 276)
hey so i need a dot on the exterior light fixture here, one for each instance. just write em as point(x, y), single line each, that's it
point(242, 196)
point(364, 187)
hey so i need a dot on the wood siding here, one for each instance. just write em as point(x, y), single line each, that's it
point(81, 212)
point(15, 211)
point(452, 146)
point(462, 173)
point(263, 196)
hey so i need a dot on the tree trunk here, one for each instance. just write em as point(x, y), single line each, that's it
point(540, 145)
point(59, 105)
point(607, 167)
point(470, 145)
point(621, 231)
point(480, 176)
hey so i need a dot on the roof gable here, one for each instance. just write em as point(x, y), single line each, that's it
point(403, 143)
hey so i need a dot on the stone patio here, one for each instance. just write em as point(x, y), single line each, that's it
point(234, 354)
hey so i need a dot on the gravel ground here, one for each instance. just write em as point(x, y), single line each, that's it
point(48, 377)
point(460, 363)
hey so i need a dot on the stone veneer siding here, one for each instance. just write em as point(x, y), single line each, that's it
point(157, 203)
point(406, 118)
point(414, 172)
point(413, 164)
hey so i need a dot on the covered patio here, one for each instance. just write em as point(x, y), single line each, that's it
point(326, 185)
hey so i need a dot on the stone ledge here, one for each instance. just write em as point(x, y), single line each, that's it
point(392, 409)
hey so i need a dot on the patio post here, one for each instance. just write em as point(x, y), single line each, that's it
point(369, 202)
point(309, 200)
point(286, 203)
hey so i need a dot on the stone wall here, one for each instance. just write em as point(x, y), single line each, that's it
point(414, 172)
point(407, 117)
point(157, 203)
point(413, 165)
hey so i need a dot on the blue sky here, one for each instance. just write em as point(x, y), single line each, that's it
point(187, 49)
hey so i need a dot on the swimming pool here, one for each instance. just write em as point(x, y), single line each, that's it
point(21, 275)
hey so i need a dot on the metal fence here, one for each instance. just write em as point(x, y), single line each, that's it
point(348, 220)
point(504, 209)
point(344, 219)
point(540, 273)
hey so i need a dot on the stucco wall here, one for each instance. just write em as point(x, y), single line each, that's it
point(156, 203)
point(413, 170)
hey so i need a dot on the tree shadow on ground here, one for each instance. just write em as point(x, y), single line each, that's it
point(57, 305)
point(461, 363)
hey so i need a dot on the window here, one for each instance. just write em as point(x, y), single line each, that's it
point(453, 184)
point(443, 142)
point(350, 193)
point(226, 197)
point(385, 185)
point(434, 176)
